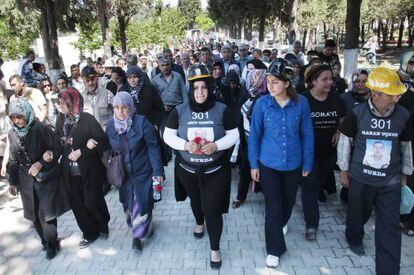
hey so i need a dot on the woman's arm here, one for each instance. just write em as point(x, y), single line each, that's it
point(154, 150)
point(255, 136)
point(307, 136)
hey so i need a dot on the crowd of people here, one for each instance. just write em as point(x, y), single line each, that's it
point(284, 123)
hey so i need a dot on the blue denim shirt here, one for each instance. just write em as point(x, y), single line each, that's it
point(281, 138)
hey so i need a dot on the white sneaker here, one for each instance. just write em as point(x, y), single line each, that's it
point(272, 261)
point(285, 229)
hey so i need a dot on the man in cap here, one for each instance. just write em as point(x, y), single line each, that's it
point(106, 80)
point(244, 56)
point(381, 123)
point(97, 99)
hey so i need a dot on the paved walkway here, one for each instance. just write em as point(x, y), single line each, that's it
point(173, 249)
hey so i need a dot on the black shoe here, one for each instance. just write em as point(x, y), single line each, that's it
point(85, 243)
point(52, 250)
point(236, 204)
point(136, 245)
point(198, 235)
point(215, 265)
point(322, 197)
point(357, 249)
point(310, 234)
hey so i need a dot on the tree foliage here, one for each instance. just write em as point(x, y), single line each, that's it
point(204, 23)
point(190, 9)
point(89, 38)
point(169, 26)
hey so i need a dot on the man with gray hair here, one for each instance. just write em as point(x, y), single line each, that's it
point(244, 56)
point(167, 53)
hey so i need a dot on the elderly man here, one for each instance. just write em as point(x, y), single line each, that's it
point(227, 58)
point(97, 99)
point(375, 157)
point(34, 96)
point(244, 56)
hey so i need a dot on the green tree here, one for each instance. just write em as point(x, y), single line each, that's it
point(190, 9)
point(89, 38)
point(17, 29)
point(204, 23)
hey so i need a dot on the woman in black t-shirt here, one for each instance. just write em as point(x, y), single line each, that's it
point(327, 111)
point(202, 130)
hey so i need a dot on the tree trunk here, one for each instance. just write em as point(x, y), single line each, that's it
point(400, 34)
point(362, 34)
point(384, 30)
point(379, 26)
point(248, 29)
point(262, 21)
point(239, 29)
point(305, 32)
point(52, 39)
point(325, 31)
point(103, 9)
point(122, 31)
point(410, 31)
point(392, 31)
point(293, 22)
point(310, 42)
point(45, 35)
point(353, 13)
point(276, 28)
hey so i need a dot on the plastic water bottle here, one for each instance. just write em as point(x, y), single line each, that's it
point(157, 188)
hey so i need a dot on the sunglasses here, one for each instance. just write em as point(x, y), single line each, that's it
point(47, 85)
point(411, 62)
point(360, 81)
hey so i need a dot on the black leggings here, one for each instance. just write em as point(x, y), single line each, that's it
point(209, 194)
point(47, 230)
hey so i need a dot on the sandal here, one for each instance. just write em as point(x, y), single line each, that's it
point(408, 232)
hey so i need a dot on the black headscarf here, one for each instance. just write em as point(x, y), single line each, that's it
point(206, 105)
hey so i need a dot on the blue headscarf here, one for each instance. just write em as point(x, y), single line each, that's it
point(123, 99)
point(23, 108)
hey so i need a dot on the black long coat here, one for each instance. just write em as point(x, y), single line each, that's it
point(90, 164)
point(52, 199)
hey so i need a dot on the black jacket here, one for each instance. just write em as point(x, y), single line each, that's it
point(52, 199)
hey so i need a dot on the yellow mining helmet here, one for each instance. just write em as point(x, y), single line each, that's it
point(386, 81)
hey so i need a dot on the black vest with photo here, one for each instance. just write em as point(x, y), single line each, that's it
point(202, 128)
point(376, 157)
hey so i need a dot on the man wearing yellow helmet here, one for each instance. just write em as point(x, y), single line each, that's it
point(377, 125)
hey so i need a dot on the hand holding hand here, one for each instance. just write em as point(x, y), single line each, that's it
point(75, 155)
point(209, 148)
point(35, 168)
point(91, 144)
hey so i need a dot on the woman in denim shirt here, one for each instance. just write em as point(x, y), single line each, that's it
point(280, 151)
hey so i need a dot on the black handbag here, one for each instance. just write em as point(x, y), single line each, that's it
point(115, 170)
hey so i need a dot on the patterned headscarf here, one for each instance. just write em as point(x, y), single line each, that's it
point(256, 82)
point(23, 108)
point(74, 101)
point(135, 91)
point(123, 99)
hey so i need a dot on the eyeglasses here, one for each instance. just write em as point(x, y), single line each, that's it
point(47, 85)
